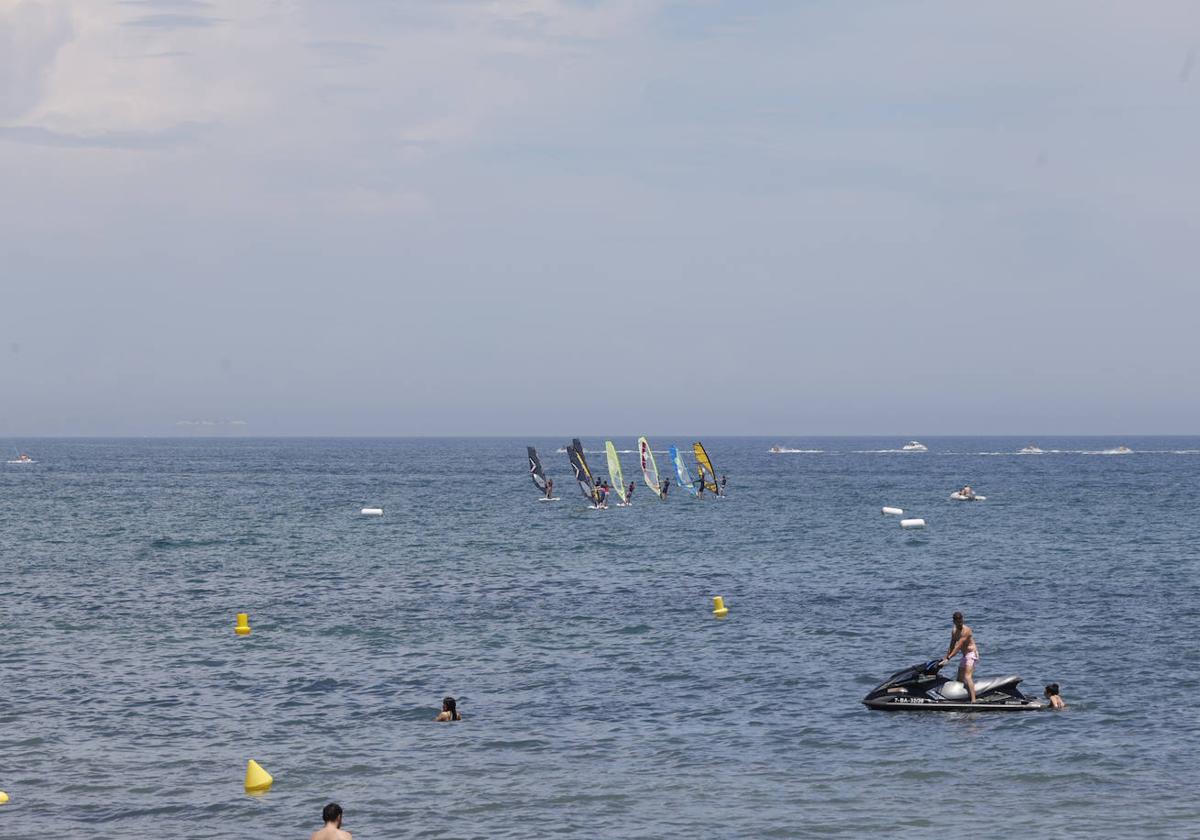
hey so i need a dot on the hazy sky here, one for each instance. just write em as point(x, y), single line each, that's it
point(539, 217)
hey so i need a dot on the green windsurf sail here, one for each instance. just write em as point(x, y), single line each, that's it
point(614, 470)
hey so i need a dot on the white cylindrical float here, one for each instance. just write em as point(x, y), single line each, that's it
point(912, 523)
point(372, 511)
point(891, 511)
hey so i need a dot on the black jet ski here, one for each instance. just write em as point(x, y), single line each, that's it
point(920, 688)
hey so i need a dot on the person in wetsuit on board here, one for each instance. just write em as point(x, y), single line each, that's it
point(549, 488)
point(629, 494)
point(666, 485)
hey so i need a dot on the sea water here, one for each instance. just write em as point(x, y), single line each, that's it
point(601, 697)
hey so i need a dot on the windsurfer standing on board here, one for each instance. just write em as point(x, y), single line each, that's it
point(666, 485)
point(723, 480)
point(549, 488)
point(629, 494)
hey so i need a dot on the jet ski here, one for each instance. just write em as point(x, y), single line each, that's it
point(920, 688)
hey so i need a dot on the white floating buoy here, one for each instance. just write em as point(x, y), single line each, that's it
point(372, 511)
point(912, 523)
point(893, 511)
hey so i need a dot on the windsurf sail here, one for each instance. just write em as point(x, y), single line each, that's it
point(649, 468)
point(582, 474)
point(614, 470)
point(706, 468)
point(535, 470)
point(681, 472)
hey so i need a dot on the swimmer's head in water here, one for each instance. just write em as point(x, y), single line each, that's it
point(450, 705)
point(1052, 689)
point(332, 813)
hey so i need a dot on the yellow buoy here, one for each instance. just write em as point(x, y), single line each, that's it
point(258, 780)
point(243, 624)
point(3, 797)
point(719, 608)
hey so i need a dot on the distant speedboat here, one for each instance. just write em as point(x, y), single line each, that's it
point(22, 458)
point(1032, 449)
point(777, 449)
point(1122, 450)
point(915, 446)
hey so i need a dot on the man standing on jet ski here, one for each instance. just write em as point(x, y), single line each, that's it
point(962, 640)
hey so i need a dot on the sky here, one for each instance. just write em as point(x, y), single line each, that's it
point(551, 217)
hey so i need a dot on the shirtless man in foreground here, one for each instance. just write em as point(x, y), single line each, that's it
point(332, 814)
point(962, 640)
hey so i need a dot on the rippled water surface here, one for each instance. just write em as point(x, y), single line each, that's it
point(601, 697)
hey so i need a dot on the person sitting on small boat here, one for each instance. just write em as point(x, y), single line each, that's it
point(449, 711)
point(1056, 701)
point(967, 492)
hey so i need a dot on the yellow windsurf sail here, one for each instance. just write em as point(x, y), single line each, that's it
point(706, 468)
point(614, 469)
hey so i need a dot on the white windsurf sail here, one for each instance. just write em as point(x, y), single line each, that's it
point(649, 468)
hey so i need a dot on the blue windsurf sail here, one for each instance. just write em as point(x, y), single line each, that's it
point(681, 472)
point(535, 470)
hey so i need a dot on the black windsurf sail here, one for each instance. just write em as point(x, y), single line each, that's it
point(582, 474)
point(535, 470)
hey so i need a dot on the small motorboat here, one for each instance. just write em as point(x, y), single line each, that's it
point(914, 446)
point(960, 496)
point(1122, 450)
point(920, 688)
point(776, 449)
point(1032, 449)
point(22, 458)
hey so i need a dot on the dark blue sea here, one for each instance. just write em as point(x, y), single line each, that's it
point(601, 697)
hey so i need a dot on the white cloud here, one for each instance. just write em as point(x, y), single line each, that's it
point(31, 34)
